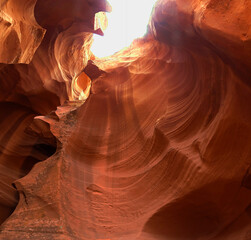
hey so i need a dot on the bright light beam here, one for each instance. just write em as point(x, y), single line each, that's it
point(127, 21)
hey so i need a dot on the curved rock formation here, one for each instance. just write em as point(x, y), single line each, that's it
point(151, 143)
point(20, 33)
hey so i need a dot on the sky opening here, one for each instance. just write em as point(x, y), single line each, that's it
point(127, 21)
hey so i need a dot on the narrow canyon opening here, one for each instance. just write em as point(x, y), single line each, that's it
point(128, 20)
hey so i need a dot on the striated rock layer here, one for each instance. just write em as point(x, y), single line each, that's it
point(151, 143)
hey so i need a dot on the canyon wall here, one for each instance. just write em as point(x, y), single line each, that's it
point(152, 143)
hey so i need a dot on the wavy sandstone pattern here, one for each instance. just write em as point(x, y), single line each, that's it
point(157, 146)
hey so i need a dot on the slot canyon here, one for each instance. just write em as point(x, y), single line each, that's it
point(150, 143)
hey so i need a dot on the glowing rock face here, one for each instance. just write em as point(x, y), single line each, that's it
point(20, 34)
point(159, 150)
point(81, 86)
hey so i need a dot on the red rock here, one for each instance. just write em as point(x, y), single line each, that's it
point(161, 147)
point(20, 33)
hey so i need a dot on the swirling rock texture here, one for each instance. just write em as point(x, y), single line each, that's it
point(151, 143)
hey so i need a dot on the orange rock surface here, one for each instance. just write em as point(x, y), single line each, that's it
point(153, 143)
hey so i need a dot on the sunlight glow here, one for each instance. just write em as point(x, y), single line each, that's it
point(127, 21)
